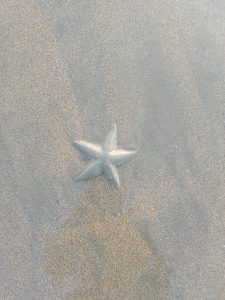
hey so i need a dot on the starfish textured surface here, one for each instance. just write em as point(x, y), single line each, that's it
point(105, 158)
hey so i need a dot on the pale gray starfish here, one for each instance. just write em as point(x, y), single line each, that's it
point(106, 158)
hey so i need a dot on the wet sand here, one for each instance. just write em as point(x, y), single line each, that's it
point(70, 70)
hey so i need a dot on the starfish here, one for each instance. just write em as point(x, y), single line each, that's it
point(105, 158)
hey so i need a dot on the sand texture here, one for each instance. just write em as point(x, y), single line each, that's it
point(69, 70)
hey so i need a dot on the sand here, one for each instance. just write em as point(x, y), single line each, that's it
point(69, 70)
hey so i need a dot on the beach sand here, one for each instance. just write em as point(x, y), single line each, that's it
point(69, 70)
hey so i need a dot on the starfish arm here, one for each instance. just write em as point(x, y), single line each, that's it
point(92, 150)
point(92, 170)
point(112, 174)
point(119, 157)
point(110, 142)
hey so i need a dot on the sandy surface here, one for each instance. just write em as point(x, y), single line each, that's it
point(71, 69)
